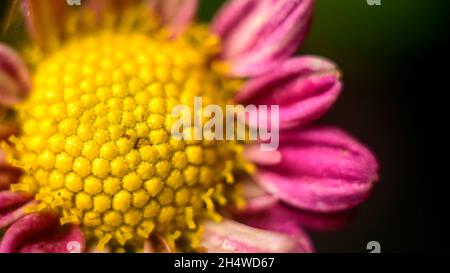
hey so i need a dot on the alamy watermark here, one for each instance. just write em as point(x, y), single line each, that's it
point(211, 123)
point(73, 2)
point(374, 2)
point(73, 247)
point(374, 247)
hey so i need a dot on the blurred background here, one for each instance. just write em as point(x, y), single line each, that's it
point(384, 54)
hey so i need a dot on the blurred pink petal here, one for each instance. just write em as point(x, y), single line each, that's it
point(14, 77)
point(42, 233)
point(97, 6)
point(322, 169)
point(274, 217)
point(176, 14)
point(256, 34)
point(254, 154)
point(262, 205)
point(256, 199)
point(283, 218)
point(229, 236)
point(322, 222)
point(12, 207)
point(304, 88)
point(105, 7)
point(46, 21)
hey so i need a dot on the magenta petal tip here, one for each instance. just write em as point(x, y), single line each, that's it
point(304, 88)
point(322, 169)
point(257, 34)
point(12, 207)
point(42, 233)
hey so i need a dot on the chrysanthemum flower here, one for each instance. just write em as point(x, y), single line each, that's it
point(88, 161)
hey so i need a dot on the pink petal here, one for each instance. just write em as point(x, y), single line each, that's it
point(12, 207)
point(275, 217)
point(283, 218)
point(41, 233)
point(10, 199)
point(322, 169)
point(256, 34)
point(98, 6)
point(254, 154)
point(14, 77)
point(262, 205)
point(232, 237)
point(256, 199)
point(322, 222)
point(176, 14)
point(304, 88)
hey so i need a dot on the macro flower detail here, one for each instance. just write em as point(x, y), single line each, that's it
point(304, 88)
point(88, 159)
point(336, 172)
point(98, 146)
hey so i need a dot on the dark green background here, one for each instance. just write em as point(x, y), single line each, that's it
point(387, 56)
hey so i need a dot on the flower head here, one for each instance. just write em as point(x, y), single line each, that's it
point(95, 162)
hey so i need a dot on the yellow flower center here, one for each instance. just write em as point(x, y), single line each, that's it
point(96, 144)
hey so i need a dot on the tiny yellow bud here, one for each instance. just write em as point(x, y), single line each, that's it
point(122, 201)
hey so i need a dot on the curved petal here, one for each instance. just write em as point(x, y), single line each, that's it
point(266, 208)
point(304, 88)
point(322, 222)
point(283, 218)
point(41, 232)
point(254, 154)
point(176, 14)
point(232, 237)
point(14, 77)
point(12, 207)
point(278, 218)
point(256, 199)
point(322, 169)
point(256, 34)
